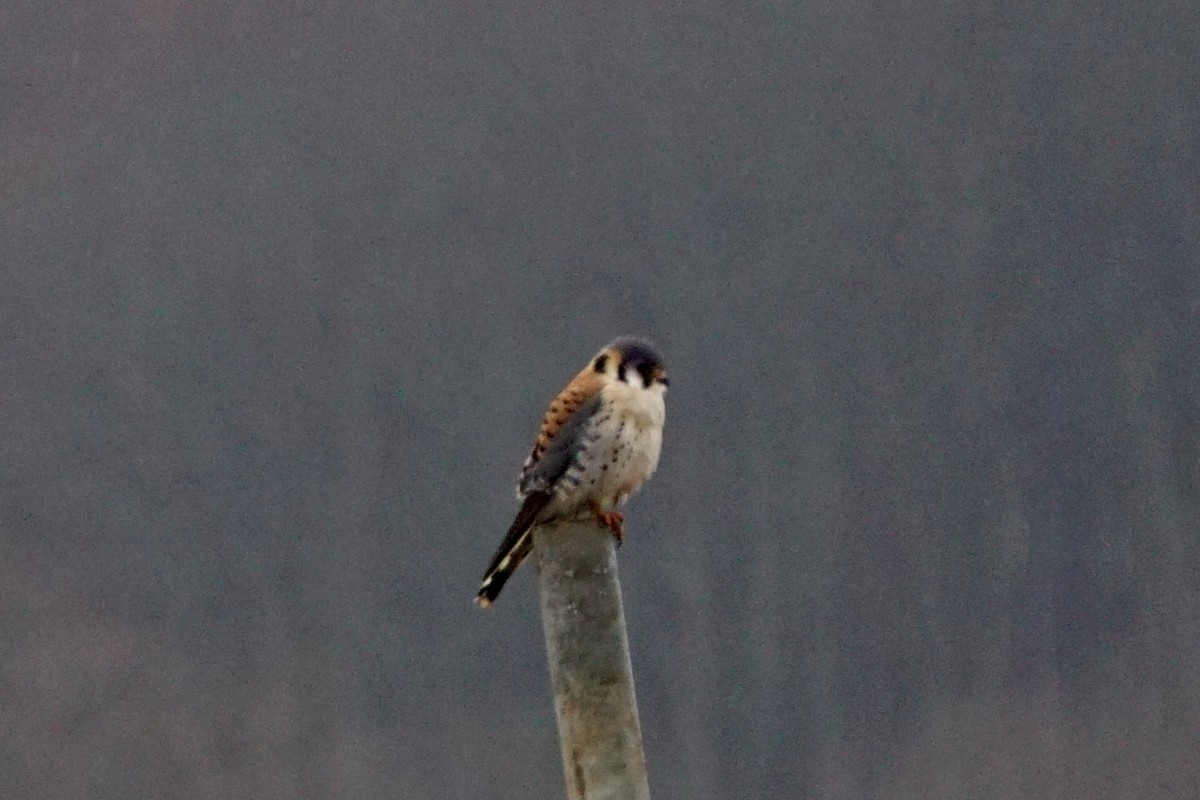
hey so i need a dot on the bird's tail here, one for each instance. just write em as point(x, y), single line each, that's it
point(513, 550)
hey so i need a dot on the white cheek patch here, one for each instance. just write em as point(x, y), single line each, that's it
point(634, 378)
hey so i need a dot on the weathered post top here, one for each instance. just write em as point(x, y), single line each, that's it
point(590, 670)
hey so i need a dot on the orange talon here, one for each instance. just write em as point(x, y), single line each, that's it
point(611, 520)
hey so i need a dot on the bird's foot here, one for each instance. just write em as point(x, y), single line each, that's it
point(612, 520)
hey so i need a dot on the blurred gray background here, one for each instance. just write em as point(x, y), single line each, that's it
point(287, 286)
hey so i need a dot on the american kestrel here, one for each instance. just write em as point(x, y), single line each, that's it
point(598, 443)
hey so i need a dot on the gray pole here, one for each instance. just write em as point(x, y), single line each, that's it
point(589, 662)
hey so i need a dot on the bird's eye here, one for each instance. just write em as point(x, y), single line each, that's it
point(601, 362)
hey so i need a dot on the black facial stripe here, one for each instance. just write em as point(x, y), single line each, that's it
point(601, 362)
point(646, 370)
point(621, 370)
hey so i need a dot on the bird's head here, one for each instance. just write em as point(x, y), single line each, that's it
point(633, 361)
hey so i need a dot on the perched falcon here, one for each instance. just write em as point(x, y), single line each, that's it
point(598, 442)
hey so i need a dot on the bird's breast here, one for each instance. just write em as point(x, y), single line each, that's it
point(623, 446)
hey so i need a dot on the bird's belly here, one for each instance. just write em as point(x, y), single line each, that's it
point(623, 455)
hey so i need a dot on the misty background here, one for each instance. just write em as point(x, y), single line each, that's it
point(287, 286)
